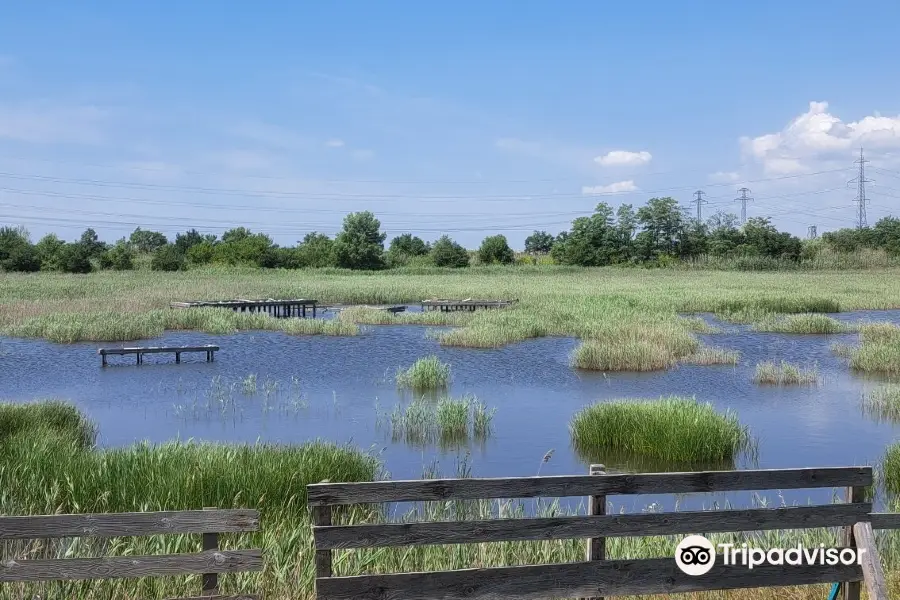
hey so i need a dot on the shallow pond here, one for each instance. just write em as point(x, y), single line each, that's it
point(334, 388)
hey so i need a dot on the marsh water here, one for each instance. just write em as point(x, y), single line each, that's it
point(273, 387)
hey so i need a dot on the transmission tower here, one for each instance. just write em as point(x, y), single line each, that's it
point(699, 201)
point(861, 200)
point(811, 232)
point(743, 199)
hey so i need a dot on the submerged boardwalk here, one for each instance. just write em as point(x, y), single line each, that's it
point(467, 304)
point(141, 351)
point(296, 307)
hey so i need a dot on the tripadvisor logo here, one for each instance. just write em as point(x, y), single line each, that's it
point(696, 555)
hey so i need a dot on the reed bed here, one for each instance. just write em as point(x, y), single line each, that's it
point(784, 373)
point(425, 374)
point(883, 403)
point(879, 350)
point(448, 422)
point(675, 430)
point(367, 315)
point(809, 323)
point(48, 465)
point(711, 355)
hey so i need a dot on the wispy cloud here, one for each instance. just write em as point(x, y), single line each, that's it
point(724, 177)
point(618, 187)
point(363, 154)
point(51, 124)
point(624, 158)
point(335, 143)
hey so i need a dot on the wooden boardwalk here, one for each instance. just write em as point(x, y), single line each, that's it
point(468, 304)
point(296, 307)
point(141, 351)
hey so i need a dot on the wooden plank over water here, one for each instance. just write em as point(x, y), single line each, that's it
point(561, 528)
point(115, 567)
point(155, 350)
point(128, 524)
point(569, 580)
point(586, 485)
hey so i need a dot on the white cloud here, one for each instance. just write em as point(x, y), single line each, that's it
point(45, 124)
point(613, 188)
point(724, 177)
point(818, 135)
point(334, 143)
point(624, 158)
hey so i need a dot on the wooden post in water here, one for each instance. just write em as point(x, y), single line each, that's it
point(851, 589)
point(596, 547)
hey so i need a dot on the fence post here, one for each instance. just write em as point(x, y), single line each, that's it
point(855, 493)
point(210, 580)
point(596, 547)
point(322, 517)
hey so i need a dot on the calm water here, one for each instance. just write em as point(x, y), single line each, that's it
point(331, 388)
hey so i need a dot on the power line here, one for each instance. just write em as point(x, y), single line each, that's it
point(860, 199)
point(743, 199)
point(699, 201)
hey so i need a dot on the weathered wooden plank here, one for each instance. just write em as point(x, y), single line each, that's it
point(567, 580)
point(885, 520)
point(560, 528)
point(852, 589)
point(873, 574)
point(322, 518)
point(585, 485)
point(128, 524)
point(154, 350)
point(116, 567)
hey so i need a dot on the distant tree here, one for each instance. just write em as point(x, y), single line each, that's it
point(495, 249)
point(16, 251)
point(184, 241)
point(761, 238)
point(147, 241)
point(447, 253)
point(886, 234)
point(120, 257)
point(360, 245)
point(200, 254)
point(76, 258)
point(168, 258)
point(91, 243)
point(242, 247)
point(49, 250)
point(662, 225)
point(236, 235)
point(316, 250)
point(539, 242)
point(593, 241)
point(405, 247)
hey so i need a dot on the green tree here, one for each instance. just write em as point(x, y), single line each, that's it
point(184, 241)
point(724, 237)
point(360, 245)
point(495, 249)
point(16, 251)
point(120, 257)
point(405, 247)
point(49, 250)
point(168, 258)
point(593, 241)
point(76, 258)
point(147, 241)
point(662, 225)
point(316, 251)
point(539, 242)
point(886, 234)
point(91, 243)
point(447, 253)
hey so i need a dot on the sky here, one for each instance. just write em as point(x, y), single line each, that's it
point(463, 118)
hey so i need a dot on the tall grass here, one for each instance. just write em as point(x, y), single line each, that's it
point(784, 373)
point(803, 323)
point(448, 422)
point(708, 355)
point(674, 430)
point(427, 373)
point(879, 349)
point(883, 403)
point(44, 473)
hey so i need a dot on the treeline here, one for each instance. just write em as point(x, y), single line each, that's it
point(659, 233)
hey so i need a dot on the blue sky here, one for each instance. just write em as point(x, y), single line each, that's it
point(466, 118)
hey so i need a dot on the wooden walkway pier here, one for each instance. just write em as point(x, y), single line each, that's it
point(467, 304)
point(141, 351)
point(296, 307)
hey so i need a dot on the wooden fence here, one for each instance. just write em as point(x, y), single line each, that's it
point(596, 577)
point(207, 563)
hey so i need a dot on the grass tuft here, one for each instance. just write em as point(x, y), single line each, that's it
point(803, 323)
point(772, 373)
point(447, 422)
point(710, 355)
point(879, 350)
point(675, 430)
point(427, 373)
point(883, 403)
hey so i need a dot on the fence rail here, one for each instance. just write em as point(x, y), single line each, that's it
point(596, 577)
